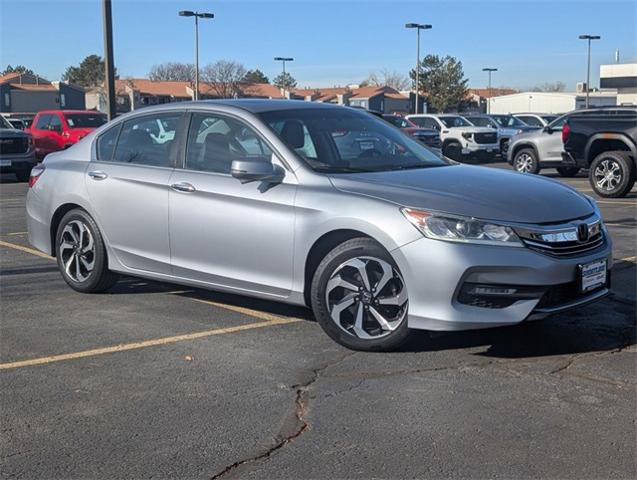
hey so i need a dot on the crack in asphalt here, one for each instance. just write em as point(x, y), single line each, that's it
point(299, 425)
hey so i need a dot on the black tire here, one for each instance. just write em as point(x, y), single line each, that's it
point(349, 250)
point(568, 171)
point(526, 161)
point(452, 150)
point(23, 175)
point(504, 147)
point(99, 278)
point(619, 162)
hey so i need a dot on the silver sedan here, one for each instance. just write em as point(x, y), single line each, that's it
point(319, 205)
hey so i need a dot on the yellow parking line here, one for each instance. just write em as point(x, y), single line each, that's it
point(25, 249)
point(632, 259)
point(148, 343)
point(610, 202)
point(243, 310)
point(16, 233)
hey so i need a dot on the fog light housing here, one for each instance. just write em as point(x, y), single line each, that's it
point(496, 296)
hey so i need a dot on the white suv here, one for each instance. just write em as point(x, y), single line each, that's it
point(459, 139)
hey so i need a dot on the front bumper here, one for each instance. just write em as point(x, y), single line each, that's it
point(435, 271)
point(12, 162)
point(469, 148)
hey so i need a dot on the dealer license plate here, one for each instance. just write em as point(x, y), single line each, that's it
point(592, 275)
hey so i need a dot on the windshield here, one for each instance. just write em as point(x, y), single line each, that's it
point(4, 123)
point(483, 122)
point(451, 121)
point(341, 141)
point(397, 121)
point(508, 121)
point(85, 120)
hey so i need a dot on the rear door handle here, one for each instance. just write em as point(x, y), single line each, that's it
point(183, 187)
point(98, 175)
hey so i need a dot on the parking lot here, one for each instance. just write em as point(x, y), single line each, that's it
point(157, 380)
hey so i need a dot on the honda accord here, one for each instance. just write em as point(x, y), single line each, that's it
point(318, 205)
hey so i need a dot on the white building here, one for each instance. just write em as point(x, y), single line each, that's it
point(549, 102)
point(621, 77)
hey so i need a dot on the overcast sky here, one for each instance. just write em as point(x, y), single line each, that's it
point(332, 42)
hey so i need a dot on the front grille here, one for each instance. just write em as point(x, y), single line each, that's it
point(565, 240)
point(14, 145)
point(486, 137)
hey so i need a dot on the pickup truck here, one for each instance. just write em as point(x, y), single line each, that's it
point(17, 154)
point(606, 144)
point(54, 130)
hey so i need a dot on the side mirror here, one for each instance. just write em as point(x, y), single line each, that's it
point(55, 128)
point(547, 129)
point(251, 170)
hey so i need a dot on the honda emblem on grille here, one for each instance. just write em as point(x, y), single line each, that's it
point(582, 232)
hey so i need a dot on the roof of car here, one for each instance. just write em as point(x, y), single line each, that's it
point(259, 105)
point(73, 112)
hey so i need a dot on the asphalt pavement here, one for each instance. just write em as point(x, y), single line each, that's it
point(155, 380)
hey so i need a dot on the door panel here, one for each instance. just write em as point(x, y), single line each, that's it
point(131, 205)
point(128, 187)
point(232, 234)
point(222, 231)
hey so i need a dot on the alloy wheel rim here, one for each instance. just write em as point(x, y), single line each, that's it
point(366, 297)
point(608, 175)
point(524, 163)
point(77, 251)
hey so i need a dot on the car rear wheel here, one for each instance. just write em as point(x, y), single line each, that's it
point(568, 171)
point(525, 161)
point(360, 298)
point(612, 174)
point(81, 254)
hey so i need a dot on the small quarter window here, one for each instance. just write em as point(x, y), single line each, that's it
point(106, 144)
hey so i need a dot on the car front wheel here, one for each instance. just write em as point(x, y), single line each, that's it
point(359, 297)
point(525, 161)
point(612, 174)
point(81, 254)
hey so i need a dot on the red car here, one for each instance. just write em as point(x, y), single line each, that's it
point(54, 130)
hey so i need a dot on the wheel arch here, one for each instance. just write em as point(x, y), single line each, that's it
point(515, 149)
point(57, 218)
point(321, 247)
point(602, 142)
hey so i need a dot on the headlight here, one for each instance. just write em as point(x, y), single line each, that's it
point(461, 229)
point(467, 135)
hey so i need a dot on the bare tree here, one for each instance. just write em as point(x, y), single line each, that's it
point(173, 71)
point(225, 78)
point(549, 87)
point(388, 78)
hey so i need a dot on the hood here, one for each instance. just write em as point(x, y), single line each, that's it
point(13, 133)
point(486, 193)
point(471, 129)
point(531, 134)
point(421, 131)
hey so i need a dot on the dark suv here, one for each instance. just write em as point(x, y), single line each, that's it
point(17, 154)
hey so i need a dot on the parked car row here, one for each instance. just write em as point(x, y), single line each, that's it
point(601, 139)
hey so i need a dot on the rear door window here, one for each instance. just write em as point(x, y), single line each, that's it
point(149, 140)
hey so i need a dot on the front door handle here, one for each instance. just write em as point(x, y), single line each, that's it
point(183, 187)
point(98, 175)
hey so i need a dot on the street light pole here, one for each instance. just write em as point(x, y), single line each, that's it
point(283, 59)
point(588, 68)
point(418, 27)
point(197, 15)
point(109, 69)
point(489, 90)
